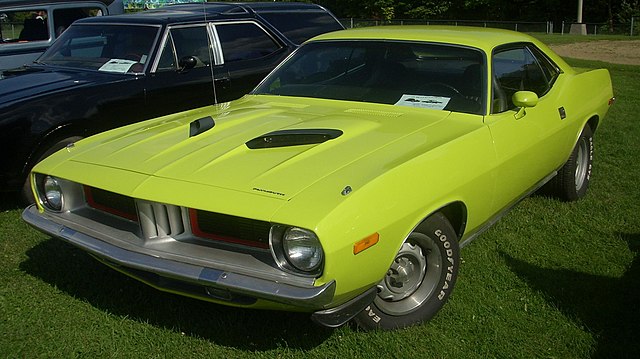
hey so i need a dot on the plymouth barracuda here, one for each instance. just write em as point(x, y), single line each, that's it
point(345, 184)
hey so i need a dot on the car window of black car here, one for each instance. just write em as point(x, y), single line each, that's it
point(303, 25)
point(106, 47)
point(518, 69)
point(245, 41)
point(183, 42)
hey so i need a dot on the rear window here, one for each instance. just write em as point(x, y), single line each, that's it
point(299, 27)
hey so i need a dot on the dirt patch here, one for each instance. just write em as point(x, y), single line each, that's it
point(617, 52)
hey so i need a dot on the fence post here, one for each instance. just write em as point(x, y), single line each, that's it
point(562, 32)
point(632, 20)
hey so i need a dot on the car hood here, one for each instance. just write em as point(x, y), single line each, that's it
point(29, 82)
point(260, 144)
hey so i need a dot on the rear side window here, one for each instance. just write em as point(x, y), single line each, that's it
point(245, 41)
point(301, 26)
point(25, 25)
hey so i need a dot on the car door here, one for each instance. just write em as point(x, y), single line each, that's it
point(173, 86)
point(528, 145)
point(248, 52)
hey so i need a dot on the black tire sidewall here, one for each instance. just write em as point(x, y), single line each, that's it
point(438, 228)
point(566, 188)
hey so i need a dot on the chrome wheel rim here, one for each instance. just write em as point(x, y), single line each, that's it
point(582, 163)
point(412, 278)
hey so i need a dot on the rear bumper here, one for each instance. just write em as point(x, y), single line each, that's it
point(208, 283)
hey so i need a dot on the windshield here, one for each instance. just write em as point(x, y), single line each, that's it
point(107, 48)
point(411, 74)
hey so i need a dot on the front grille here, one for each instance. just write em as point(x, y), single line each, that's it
point(160, 220)
point(231, 229)
point(110, 202)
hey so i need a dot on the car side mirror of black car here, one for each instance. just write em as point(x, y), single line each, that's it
point(187, 63)
point(524, 99)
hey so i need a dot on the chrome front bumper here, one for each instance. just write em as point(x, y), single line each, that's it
point(185, 278)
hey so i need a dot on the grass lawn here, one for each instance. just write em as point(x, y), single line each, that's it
point(550, 280)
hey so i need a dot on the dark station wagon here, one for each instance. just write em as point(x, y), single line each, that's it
point(105, 72)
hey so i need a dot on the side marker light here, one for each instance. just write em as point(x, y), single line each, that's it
point(365, 243)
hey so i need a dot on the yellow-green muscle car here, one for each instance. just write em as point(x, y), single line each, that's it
point(345, 184)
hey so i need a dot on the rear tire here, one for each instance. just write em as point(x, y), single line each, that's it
point(26, 195)
point(420, 279)
point(572, 181)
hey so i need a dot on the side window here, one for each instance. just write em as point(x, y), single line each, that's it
point(302, 26)
point(184, 42)
point(24, 25)
point(62, 18)
point(167, 60)
point(244, 41)
point(517, 69)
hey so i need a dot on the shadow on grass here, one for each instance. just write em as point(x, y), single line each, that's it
point(78, 274)
point(607, 306)
point(9, 201)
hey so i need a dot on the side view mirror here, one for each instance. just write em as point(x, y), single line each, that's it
point(187, 63)
point(524, 99)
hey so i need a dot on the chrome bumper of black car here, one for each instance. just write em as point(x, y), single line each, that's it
point(184, 278)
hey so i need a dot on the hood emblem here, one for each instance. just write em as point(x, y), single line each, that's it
point(268, 191)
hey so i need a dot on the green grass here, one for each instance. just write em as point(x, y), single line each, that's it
point(550, 280)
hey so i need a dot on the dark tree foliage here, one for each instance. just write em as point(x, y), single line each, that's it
point(594, 11)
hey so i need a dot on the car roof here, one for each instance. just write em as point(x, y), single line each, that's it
point(178, 13)
point(479, 37)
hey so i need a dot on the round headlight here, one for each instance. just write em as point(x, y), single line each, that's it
point(52, 193)
point(302, 249)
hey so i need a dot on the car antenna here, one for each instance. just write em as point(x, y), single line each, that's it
point(209, 46)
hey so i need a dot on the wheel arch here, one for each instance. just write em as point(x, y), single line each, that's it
point(593, 123)
point(455, 212)
point(52, 137)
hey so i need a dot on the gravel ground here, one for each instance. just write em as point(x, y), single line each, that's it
point(619, 52)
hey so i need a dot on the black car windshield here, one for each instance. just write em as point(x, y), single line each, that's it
point(106, 48)
point(424, 75)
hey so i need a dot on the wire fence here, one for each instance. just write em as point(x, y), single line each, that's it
point(631, 28)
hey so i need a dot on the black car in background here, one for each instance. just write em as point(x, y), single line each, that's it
point(105, 72)
point(29, 27)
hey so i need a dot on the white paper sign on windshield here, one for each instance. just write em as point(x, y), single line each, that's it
point(422, 101)
point(117, 65)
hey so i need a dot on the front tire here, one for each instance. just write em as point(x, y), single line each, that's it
point(572, 181)
point(420, 279)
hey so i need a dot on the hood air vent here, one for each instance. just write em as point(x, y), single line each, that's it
point(201, 125)
point(293, 138)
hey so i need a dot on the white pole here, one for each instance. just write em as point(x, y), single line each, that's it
point(580, 11)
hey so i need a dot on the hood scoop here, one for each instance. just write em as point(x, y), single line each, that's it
point(296, 137)
point(201, 125)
